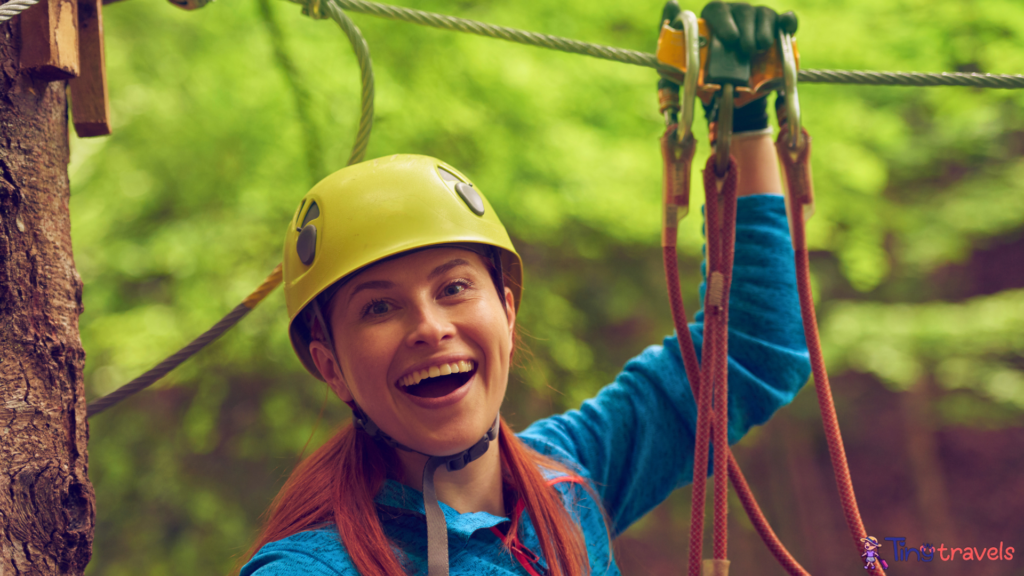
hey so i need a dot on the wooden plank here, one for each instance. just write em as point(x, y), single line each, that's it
point(49, 40)
point(90, 105)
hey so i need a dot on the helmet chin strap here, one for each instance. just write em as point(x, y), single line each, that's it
point(437, 527)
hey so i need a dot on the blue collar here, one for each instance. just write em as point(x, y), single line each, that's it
point(398, 496)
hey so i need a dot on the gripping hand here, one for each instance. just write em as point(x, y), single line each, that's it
point(745, 30)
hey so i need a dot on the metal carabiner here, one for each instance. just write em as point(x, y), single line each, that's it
point(692, 31)
point(789, 76)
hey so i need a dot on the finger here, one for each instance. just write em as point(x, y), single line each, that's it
point(743, 15)
point(788, 22)
point(764, 31)
point(719, 19)
point(670, 12)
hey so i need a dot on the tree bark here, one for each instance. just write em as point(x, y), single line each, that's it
point(47, 506)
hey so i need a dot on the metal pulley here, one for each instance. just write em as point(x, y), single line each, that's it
point(766, 68)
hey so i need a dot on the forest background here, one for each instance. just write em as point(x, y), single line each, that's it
point(917, 250)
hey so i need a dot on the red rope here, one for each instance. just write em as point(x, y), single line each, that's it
point(720, 215)
point(771, 540)
point(678, 158)
point(801, 196)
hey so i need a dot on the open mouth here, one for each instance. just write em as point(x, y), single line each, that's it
point(439, 386)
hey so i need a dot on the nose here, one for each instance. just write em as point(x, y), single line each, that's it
point(429, 325)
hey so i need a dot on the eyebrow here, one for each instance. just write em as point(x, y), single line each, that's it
point(384, 284)
point(446, 267)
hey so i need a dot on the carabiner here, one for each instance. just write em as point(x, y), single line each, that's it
point(692, 72)
point(789, 76)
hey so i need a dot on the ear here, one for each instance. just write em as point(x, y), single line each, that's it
point(510, 309)
point(326, 362)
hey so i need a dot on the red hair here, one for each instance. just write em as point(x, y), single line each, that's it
point(337, 483)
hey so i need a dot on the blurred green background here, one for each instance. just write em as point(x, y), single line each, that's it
point(917, 253)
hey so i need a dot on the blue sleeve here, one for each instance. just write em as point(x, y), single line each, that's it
point(635, 438)
point(310, 553)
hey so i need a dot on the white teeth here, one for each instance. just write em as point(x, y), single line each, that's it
point(435, 371)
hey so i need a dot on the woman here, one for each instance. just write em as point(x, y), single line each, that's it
point(402, 287)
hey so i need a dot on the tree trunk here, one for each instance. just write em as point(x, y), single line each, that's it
point(46, 501)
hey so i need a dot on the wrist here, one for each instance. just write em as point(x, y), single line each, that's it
point(757, 163)
point(750, 118)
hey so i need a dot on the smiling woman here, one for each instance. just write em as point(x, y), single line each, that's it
point(403, 288)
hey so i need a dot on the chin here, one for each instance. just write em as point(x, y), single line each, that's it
point(445, 443)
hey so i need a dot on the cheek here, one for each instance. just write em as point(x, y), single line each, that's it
point(365, 356)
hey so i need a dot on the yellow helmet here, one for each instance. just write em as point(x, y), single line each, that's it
point(370, 211)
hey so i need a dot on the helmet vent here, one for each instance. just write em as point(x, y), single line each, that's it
point(471, 197)
point(298, 213)
point(306, 244)
point(312, 214)
point(448, 176)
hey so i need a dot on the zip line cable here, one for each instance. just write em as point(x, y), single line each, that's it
point(649, 60)
point(335, 9)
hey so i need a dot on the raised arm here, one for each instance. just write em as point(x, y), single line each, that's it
point(635, 438)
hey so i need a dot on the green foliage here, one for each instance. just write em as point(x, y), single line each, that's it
point(971, 345)
point(180, 213)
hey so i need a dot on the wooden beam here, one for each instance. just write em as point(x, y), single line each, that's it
point(49, 40)
point(90, 105)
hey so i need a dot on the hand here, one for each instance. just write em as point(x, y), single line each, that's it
point(746, 29)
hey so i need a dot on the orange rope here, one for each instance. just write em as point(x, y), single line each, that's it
point(266, 287)
point(800, 190)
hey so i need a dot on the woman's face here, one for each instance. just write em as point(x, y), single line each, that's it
point(424, 346)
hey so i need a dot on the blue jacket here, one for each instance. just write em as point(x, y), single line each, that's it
point(633, 442)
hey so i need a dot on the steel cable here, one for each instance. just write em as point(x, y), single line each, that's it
point(648, 60)
point(912, 78)
point(11, 9)
point(171, 362)
point(362, 51)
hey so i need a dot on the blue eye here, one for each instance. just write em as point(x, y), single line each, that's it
point(456, 288)
point(376, 308)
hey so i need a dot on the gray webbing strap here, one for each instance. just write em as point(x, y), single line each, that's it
point(437, 527)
